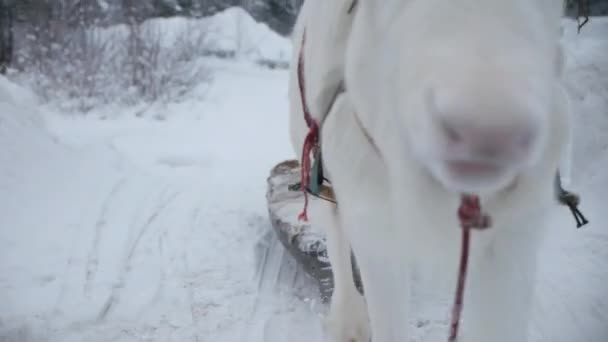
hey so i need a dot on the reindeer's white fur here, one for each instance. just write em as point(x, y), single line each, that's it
point(395, 208)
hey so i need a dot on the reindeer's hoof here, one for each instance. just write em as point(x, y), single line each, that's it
point(348, 320)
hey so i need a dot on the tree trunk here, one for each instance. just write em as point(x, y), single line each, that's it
point(7, 17)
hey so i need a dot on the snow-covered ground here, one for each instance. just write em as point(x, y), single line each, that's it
point(138, 229)
point(145, 229)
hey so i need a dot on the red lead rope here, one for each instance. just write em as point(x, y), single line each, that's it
point(311, 143)
point(470, 217)
point(310, 148)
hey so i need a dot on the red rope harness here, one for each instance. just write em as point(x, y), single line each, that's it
point(469, 213)
point(470, 217)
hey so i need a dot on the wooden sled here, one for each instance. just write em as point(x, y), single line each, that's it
point(306, 243)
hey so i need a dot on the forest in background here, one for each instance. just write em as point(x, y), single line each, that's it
point(47, 22)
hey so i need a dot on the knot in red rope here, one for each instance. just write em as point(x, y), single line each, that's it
point(309, 150)
point(470, 215)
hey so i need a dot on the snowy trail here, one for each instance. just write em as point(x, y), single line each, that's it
point(138, 229)
point(149, 226)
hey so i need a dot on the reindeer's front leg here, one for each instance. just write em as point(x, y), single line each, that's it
point(360, 180)
point(385, 276)
point(348, 320)
point(500, 292)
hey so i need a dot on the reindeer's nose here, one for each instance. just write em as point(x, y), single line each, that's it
point(499, 142)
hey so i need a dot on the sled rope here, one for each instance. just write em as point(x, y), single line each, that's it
point(471, 217)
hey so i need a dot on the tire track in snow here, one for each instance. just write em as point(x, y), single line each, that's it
point(162, 242)
point(114, 296)
point(151, 219)
point(71, 261)
point(173, 286)
point(172, 250)
point(189, 282)
point(93, 255)
point(161, 285)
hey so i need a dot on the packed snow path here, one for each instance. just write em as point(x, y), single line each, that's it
point(143, 229)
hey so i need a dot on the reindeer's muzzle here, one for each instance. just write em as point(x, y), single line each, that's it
point(478, 147)
point(483, 142)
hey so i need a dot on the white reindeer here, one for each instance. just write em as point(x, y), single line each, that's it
point(442, 97)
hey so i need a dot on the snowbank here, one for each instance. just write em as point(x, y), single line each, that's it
point(44, 197)
point(22, 133)
point(11, 92)
point(232, 30)
point(31, 163)
point(235, 29)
